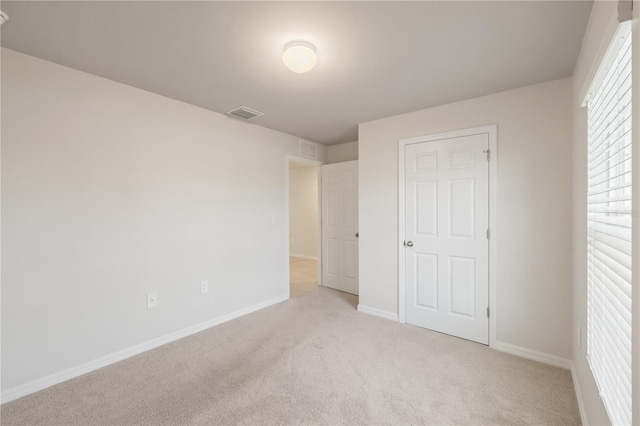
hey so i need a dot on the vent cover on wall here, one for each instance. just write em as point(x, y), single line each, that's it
point(245, 113)
point(307, 149)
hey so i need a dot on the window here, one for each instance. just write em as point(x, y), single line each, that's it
point(609, 229)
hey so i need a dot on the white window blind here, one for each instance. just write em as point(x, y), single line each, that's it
point(609, 229)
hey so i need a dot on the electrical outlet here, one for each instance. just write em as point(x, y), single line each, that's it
point(152, 300)
point(204, 286)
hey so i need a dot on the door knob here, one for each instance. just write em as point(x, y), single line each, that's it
point(357, 234)
point(408, 243)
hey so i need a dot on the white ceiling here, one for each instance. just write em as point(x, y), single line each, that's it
point(376, 59)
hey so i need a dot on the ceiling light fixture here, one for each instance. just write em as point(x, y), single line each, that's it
point(300, 56)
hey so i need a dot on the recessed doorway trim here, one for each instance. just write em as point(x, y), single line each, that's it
point(297, 159)
point(492, 131)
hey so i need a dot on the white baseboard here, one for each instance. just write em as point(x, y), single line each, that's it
point(553, 360)
point(303, 256)
point(542, 357)
point(581, 406)
point(54, 379)
point(378, 313)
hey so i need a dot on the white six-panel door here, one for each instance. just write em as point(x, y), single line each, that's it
point(340, 226)
point(446, 251)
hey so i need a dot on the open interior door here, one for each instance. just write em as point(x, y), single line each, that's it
point(340, 226)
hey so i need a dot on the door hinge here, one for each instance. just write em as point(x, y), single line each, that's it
point(488, 233)
point(487, 312)
point(488, 154)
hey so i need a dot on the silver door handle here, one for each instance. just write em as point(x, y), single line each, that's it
point(408, 243)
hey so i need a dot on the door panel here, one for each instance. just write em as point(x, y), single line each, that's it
point(339, 226)
point(462, 285)
point(446, 218)
point(461, 208)
point(427, 208)
point(426, 281)
point(351, 260)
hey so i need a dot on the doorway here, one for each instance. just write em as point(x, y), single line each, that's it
point(445, 227)
point(304, 227)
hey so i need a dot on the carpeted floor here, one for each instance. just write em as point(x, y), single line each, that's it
point(310, 360)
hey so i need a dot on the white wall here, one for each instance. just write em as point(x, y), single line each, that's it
point(533, 213)
point(303, 211)
point(342, 152)
point(110, 192)
point(600, 30)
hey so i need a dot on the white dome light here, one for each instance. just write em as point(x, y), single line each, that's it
point(300, 56)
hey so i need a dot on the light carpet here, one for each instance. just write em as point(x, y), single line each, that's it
point(310, 360)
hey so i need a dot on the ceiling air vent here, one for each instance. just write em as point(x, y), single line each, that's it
point(245, 113)
point(307, 149)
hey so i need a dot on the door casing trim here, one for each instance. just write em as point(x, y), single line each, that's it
point(492, 131)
